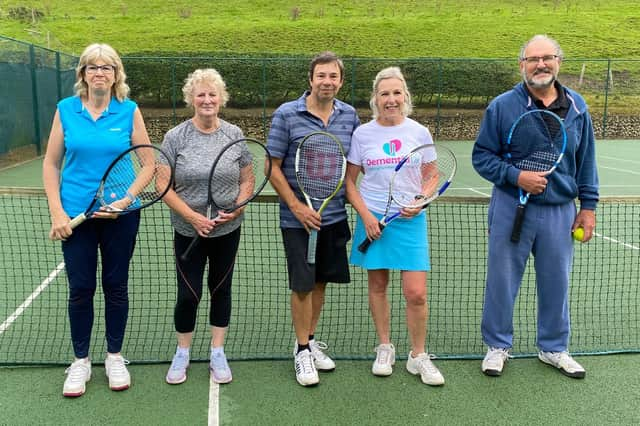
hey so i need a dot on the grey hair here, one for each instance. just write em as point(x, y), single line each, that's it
point(391, 72)
point(540, 37)
point(207, 76)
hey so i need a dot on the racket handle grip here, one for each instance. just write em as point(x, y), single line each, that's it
point(364, 246)
point(517, 223)
point(187, 253)
point(311, 248)
point(77, 220)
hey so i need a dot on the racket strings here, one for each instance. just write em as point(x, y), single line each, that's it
point(536, 142)
point(140, 176)
point(422, 176)
point(320, 167)
point(223, 184)
point(539, 161)
point(238, 174)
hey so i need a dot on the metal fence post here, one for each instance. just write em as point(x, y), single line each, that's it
point(58, 77)
point(35, 102)
point(606, 100)
point(439, 89)
point(353, 81)
point(264, 99)
point(173, 91)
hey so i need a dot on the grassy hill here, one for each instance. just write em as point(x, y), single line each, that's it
point(364, 28)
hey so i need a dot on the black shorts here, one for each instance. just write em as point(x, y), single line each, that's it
point(331, 265)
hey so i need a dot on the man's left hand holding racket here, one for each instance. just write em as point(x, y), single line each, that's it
point(137, 178)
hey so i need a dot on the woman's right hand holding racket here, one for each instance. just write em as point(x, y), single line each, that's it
point(371, 226)
point(60, 229)
point(202, 225)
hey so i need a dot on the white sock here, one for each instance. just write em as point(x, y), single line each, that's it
point(182, 351)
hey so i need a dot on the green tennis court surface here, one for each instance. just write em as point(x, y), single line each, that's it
point(265, 393)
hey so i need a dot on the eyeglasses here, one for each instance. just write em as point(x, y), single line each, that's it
point(547, 59)
point(106, 69)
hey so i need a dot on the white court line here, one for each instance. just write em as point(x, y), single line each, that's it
point(478, 192)
point(214, 393)
point(619, 159)
point(613, 240)
point(617, 169)
point(14, 316)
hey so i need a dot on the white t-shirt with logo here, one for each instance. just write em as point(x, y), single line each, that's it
point(378, 149)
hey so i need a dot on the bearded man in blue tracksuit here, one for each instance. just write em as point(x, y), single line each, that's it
point(551, 211)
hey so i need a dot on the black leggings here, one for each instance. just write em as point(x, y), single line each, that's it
point(221, 253)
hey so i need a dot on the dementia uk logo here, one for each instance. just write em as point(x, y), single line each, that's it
point(392, 157)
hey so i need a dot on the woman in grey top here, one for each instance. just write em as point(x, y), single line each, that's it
point(193, 146)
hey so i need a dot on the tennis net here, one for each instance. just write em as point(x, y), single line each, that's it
point(34, 329)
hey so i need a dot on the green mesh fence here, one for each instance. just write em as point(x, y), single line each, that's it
point(32, 80)
point(449, 94)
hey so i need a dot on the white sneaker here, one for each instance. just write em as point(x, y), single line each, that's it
point(78, 374)
point(306, 373)
point(494, 360)
point(116, 370)
point(219, 368)
point(320, 359)
point(178, 371)
point(422, 365)
point(385, 359)
point(564, 362)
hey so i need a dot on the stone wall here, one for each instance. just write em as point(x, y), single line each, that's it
point(450, 125)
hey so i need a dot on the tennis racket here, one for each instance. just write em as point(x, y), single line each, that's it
point(238, 174)
point(420, 177)
point(136, 179)
point(320, 167)
point(537, 141)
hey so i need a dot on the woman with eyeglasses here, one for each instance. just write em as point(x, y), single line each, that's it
point(89, 130)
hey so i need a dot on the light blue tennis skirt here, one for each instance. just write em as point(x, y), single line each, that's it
point(403, 245)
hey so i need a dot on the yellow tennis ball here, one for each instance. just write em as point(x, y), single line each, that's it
point(578, 234)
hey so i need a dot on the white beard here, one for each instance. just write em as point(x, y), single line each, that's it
point(540, 83)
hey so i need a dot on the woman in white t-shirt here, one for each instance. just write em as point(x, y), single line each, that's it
point(375, 149)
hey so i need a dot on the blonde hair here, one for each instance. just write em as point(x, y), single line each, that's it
point(391, 72)
point(106, 53)
point(207, 76)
